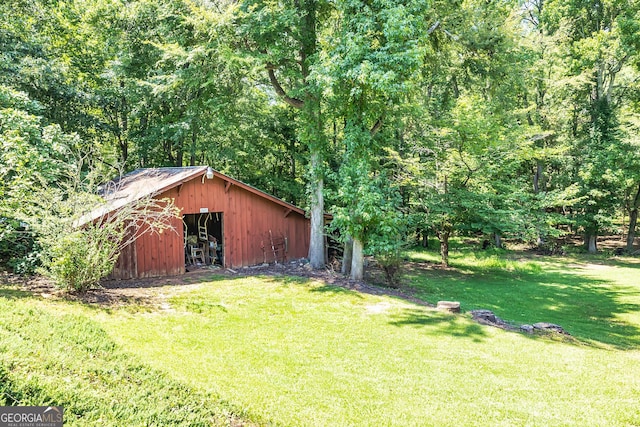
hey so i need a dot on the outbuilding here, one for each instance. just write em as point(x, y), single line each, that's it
point(223, 222)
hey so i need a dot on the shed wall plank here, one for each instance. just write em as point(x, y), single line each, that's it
point(247, 219)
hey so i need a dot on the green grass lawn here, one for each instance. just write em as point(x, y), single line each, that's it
point(595, 299)
point(293, 352)
point(54, 354)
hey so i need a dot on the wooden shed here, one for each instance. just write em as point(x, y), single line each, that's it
point(224, 221)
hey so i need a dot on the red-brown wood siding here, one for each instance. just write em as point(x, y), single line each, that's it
point(247, 220)
point(126, 267)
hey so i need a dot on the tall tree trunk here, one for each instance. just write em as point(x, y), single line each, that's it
point(537, 178)
point(347, 257)
point(193, 147)
point(443, 236)
point(313, 128)
point(498, 240)
point(123, 125)
point(633, 220)
point(124, 149)
point(316, 242)
point(357, 260)
point(591, 242)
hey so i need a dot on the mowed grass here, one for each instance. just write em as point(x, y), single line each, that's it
point(595, 299)
point(296, 352)
point(293, 352)
point(53, 354)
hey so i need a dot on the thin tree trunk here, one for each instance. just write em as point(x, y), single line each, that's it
point(633, 222)
point(124, 149)
point(425, 239)
point(357, 261)
point(316, 244)
point(123, 125)
point(444, 248)
point(194, 139)
point(292, 152)
point(347, 257)
point(537, 177)
point(498, 240)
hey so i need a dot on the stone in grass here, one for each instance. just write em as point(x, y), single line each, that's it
point(450, 306)
point(527, 328)
point(486, 316)
point(549, 327)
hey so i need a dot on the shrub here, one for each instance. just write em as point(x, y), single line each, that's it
point(80, 259)
point(19, 250)
point(390, 263)
point(81, 236)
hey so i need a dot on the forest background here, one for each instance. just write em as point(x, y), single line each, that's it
point(508, 119)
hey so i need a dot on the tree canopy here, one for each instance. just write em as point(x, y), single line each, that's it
point(512, 119)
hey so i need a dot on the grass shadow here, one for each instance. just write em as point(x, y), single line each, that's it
point(283, 279)
point(440, 324)
point(158, 282)
point(315, 285)
point(626, 262)
point(13, 294)
point(593, 310)
point(70, 360)
point(337, 290)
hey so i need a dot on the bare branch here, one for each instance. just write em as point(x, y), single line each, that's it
point(433, 27)
point(377, 125)
point(294, 102)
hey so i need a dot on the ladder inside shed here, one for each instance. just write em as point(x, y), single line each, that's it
point(203, 233)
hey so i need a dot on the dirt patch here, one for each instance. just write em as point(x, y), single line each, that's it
point(110, 294)
point(381, 307)
point(373, 283)
point(147, 293)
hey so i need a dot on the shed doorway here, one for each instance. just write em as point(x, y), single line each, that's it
point(203, 239)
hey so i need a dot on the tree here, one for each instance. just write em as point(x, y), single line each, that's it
point(632, 206)
point(470, 138)
point(369, 62)
point(33, 156)
point(597, 40)
point(282, 39)
point(631, 167)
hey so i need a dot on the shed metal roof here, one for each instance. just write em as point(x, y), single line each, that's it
point(146, 182)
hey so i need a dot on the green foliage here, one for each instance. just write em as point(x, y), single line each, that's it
point(368, 64)
point(517, 118)
point(81, 258)
point(371, 214)
point(32, 154)
point(79, 247)
point(19, 250)
point(44, 190)
point(597, 43)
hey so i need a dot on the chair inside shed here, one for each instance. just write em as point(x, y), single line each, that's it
point(203, 239)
